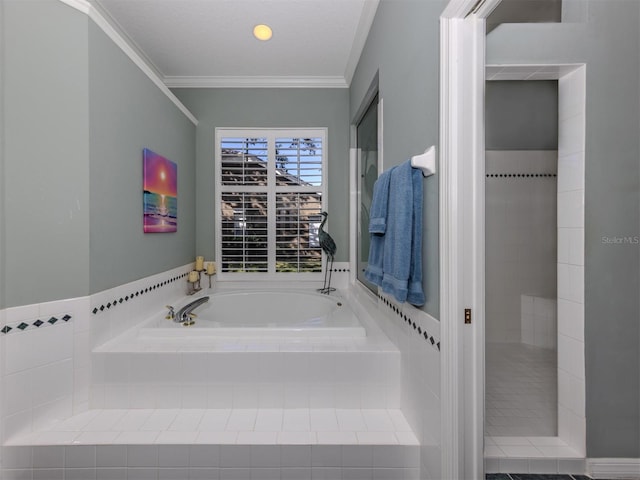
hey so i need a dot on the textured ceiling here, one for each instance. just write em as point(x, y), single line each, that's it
point(211, 40)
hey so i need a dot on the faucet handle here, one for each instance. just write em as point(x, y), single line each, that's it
point(170, 314)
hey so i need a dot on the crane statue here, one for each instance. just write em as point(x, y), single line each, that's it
point(329, 248)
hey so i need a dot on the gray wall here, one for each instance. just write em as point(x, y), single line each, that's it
point(3, 202)
point(608, 43)
point(403, 46)
point(271, 108)
point(127, 113)
point(77, 115)
point(521, 115)
point(46, 177)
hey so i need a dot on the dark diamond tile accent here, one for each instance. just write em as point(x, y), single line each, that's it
point(22, 326)
point(67, 317)
point(102, 307)
point(6, 329)
point(37, 323)
point(432, 340)
point(126, 299)
point(52, 320)
point(109, 305)
point(121, 300)
point(95, 310)
point(438, 346)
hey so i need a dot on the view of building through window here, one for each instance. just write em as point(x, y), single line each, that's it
point(270, 199)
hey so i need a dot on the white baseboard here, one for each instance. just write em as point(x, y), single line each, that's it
point(614, 468)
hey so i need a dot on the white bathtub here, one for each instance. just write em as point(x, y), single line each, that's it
point(262, 313)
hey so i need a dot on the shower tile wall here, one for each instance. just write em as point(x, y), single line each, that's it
point(571, 168)
point(520, 236)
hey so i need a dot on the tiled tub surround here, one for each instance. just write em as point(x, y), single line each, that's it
point(416, 335)
point(363, 435)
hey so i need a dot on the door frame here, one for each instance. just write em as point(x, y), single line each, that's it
point(462, 242)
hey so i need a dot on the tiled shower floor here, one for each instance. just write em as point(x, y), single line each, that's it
point(521, 390)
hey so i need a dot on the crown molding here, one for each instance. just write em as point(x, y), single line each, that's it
point(255, 82)
point(130, 50)
point(360, 39)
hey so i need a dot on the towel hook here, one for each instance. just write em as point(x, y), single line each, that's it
point(425, 161)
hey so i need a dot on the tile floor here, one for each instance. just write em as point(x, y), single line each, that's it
point(521, 390)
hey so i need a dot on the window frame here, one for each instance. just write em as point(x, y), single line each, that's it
point(271, 134)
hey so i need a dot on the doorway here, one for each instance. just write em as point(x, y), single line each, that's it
point(462, 240)
point(552, 334)
point(521, 141)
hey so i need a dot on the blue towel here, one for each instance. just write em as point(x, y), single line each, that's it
point(401, 243)
point(402, 264)
point(378, 227)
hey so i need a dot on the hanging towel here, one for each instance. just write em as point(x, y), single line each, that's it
point(378, 227)
point(402, 245)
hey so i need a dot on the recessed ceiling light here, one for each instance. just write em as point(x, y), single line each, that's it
point(262, 32)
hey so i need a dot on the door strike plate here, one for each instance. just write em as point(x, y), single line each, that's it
point(467, 315)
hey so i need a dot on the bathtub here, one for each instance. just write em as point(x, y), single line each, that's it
point(262, 313)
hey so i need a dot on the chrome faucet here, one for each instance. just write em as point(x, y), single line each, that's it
point(184, 315)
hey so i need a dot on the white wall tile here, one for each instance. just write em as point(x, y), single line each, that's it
point(235, 456)
point(295, 473)
point(576, 246)
point(571, 282)
point(571, 171)
point(571, 392)
point(204, 455)
point(571, 319)
point(572, 429)
point(80, 456)
point(572, 94)
point(571, 209)
point(111, 456)
point(142, 456)
point(571, 356)
point(571, 134)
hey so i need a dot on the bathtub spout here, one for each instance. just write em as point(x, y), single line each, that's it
point(184, 314)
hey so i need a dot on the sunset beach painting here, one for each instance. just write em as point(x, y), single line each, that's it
point(160, 193)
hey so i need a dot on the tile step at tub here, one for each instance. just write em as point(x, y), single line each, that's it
point(308, 439)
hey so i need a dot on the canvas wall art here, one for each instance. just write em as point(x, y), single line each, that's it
point(160, 193)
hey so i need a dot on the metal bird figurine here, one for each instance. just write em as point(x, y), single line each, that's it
point(329, 248)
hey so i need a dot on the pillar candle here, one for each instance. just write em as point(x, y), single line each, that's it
point(199, 263)
point(193, 276)
point(211, 268)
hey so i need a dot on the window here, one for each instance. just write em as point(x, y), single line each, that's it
point(269, 195)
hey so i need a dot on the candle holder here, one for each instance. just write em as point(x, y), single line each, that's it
point(194, 283)
point(193, 287)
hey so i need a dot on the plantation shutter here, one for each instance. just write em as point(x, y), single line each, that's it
point(270, 199)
